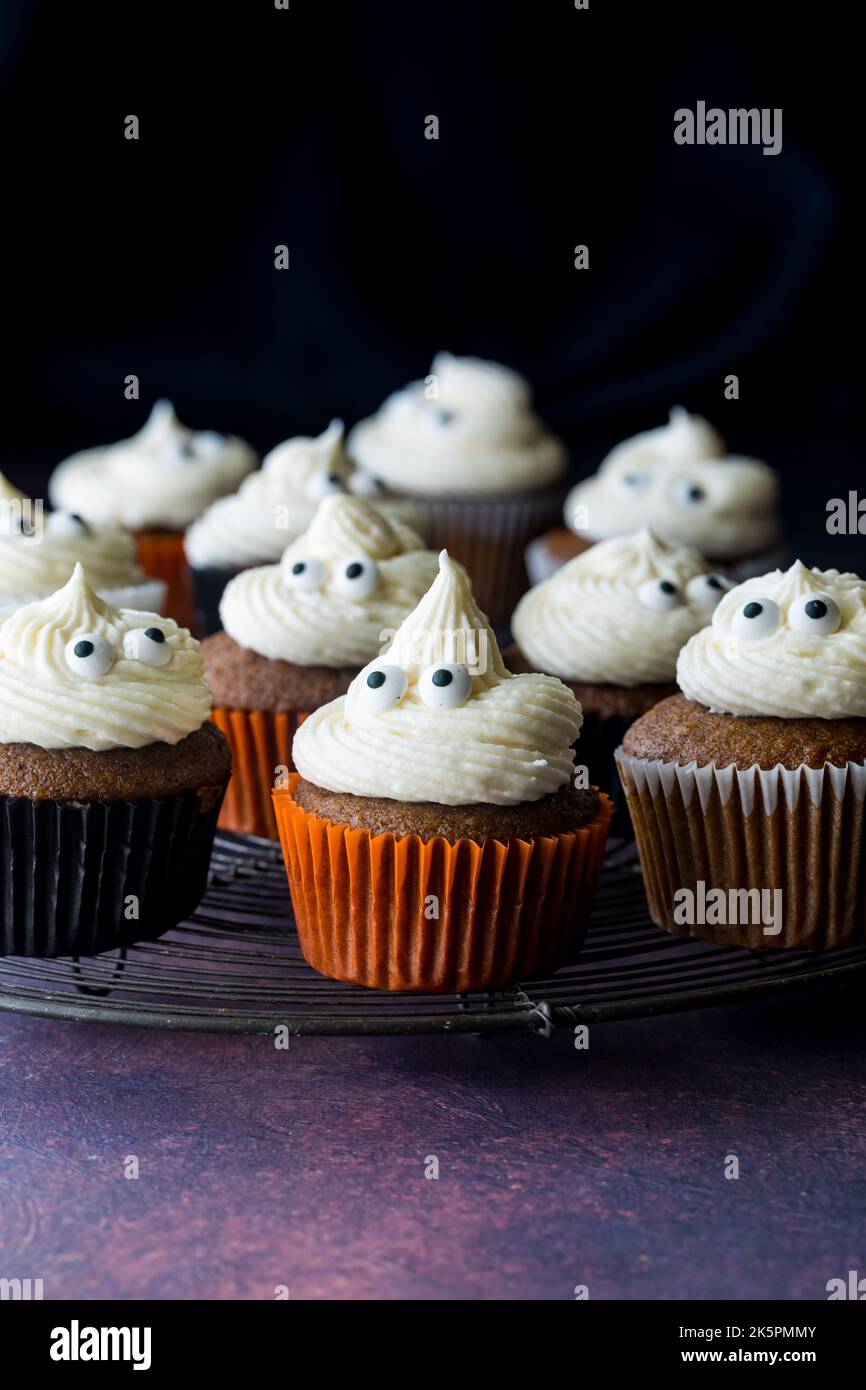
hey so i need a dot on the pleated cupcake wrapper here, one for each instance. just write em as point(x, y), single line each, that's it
point(365, 905)
point(489, 537)
point(208, 583)
point(73, 878)
point(161, 556)
point(261, 743)
point(800, 831)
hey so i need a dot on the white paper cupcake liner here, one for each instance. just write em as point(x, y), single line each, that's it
point(798, 831)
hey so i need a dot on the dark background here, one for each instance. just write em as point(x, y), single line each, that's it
point(306, 127)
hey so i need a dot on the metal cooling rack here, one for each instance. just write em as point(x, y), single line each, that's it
point(236, 967)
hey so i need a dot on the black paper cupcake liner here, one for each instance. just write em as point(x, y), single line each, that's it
point(208, 583)
point(78, 879)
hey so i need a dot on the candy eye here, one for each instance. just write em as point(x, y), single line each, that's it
point(635, 481)
point(445, 686)
point(365, 485)
point(706, 589)
point(442, 417)
point(324, 485)
point(357, 578)
point(814, 613)
point(384, 687)
point(689, 494)
point(89, 654)
point(208, 443)
point(147, 644)
point(660, 595)
point(757, 618)
point(305, 575)
point(67, 524)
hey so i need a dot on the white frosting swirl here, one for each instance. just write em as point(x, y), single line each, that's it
point(36, 565)
point(263, 611)
point(469, 427)
point(275, 505)
point(678, 480)
point(509, 742)
point(44, 701)
point(164, 476)
point(789, 673)
point(593, 620)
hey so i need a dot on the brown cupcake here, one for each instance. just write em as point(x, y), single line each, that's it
point(750, 825)
point(102, 844)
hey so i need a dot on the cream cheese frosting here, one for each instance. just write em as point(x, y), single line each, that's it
point(468, 427)
point(618, 613)
point(439, 718)
point(679, 480)
point(352, 576)
point(790, 644)
point(33, 566)
point(75, 672)
point(274, 505)
point(164, 476)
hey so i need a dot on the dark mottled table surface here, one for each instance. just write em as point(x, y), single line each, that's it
point(305, 1168)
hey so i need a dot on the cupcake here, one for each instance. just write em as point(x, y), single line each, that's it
point(272, 507)
point(155, 484)
point(111, 776)
point(295, 634)
point(467, 444)
point(610, 624)
point(746, 789)
point(679, 480)
point(38, 553)
point(432, 835)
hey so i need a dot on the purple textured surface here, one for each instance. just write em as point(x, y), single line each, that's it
point(557, 1167)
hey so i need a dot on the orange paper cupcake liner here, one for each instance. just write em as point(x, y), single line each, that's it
point(261, 743)
point(161, 556)
point(366, 905)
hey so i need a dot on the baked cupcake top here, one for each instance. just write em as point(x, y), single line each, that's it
point(32, 566)
point(790, 644)
point(350, 578)
point(468, 428)
point(164, 476)
point(439, 718)
point(619, 613)
point(678, 479)
point(76, 672)
point(277, 503)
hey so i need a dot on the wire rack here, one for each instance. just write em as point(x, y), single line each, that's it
point(236, 967)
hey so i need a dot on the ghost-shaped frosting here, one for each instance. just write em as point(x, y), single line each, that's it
point(76, 672)
point(467, 427)
point(39, 550)
point(791, 644)
point(678, 480)
point(618, 613)
point(437, 716)
point(164, 476)
point(274, 505)
point(352, 576)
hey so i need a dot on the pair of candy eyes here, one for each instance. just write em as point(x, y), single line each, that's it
point(686, 493)
point(354, 579)
point(816, 614)
point(662, 595)
point(203, 445)
point(443, 686)
point(91, 654)
point(57, 523)
point(361, 484)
